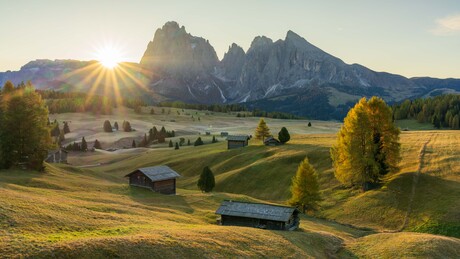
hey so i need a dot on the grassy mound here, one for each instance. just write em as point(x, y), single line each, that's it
point(405, 245)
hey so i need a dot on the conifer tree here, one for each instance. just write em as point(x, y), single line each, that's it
point(206, 182)
point(188, 142)
point(84, 145)
point(152, 111)
point(214, 140)
point(262, 130)
point(107, 126)
point(198, 142)
point(305, 187)
point(127, 126)
point(115, 125)
point(97, 144)
point(177, 146)
point(283, 135)
point(133, 145)
point(367, 146)
point(170, 143)
point(66, 128)
point(144, 141)
point(309, 124)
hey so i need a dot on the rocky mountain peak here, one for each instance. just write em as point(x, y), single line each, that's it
point(173, 51)
point(233, 62)
point(260, 41)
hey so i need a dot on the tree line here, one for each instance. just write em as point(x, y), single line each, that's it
point(242, 110)
point(442, 111)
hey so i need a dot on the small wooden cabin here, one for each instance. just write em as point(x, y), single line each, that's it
point(271, 141)
point(237, 141)
point(224, 134)
point(57, 156)
point(160, 179)
point(258, 215)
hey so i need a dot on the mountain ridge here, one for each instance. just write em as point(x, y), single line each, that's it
point(177, 65)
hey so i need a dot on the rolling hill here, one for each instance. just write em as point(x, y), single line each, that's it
point(92, 212)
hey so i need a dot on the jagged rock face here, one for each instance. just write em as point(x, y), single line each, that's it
point(182, 65)
point(284, 75)
point(173, 51)
point(274, 68)
point(232, 63)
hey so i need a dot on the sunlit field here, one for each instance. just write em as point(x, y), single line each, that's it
point(87, 209)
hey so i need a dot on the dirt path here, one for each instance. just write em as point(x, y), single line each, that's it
point(421, 160)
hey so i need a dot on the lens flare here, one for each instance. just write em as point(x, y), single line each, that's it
point(109, 56)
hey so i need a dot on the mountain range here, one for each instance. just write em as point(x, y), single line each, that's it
point(288, 75)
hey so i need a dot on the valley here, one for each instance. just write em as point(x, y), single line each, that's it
point(87, 209)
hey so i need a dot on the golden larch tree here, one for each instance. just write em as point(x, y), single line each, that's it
point(262, 130)
point(305, 187)
point(367, 145)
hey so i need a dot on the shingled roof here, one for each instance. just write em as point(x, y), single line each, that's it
point(238, 137)
point(255, 210)
point(157, 173)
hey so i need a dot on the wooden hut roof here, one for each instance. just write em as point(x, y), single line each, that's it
point(238, 137)
point(255, 210)
point(157, 173)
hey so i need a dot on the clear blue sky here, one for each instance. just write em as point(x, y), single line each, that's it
point(410, 37)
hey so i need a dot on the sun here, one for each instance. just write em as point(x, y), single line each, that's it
point(109, 56)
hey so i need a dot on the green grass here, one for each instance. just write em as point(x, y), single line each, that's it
point(93, 213)
point(411, 124)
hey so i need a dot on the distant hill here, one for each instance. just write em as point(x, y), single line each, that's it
point(284, 75)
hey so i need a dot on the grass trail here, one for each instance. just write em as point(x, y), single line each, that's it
point(415, 179)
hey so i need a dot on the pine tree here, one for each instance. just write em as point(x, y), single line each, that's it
point(133, 145)
point(206, 182)
point(152, 111)
point(283, 135)
point(66, 128)
point(107, 126)
point(170, 143)
point(177, 146)
point(97, 145)
point(214, 140)
point(305, 187)
point(144, 141)
point(368, 146)
point(127, 126)
point(84, 145)
point(115, 125)
point(198, 142)
point(262, 130)
point(309, 124)
point(188, 142)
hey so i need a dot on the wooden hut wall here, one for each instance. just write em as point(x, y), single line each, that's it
point(165, 187)
point(139, 179)
point(236, 144)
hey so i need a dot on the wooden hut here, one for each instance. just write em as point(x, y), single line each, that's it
point(57, 156)
point(271, 141)
point(258, 215)
point(160, 179)
point(237, 141)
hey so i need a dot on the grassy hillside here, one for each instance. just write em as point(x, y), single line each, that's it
point(73, 213)
point(91, 212)
point(265, 173)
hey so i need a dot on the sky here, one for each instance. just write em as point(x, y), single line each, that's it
point(409, 37)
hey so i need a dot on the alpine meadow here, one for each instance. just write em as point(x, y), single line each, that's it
point(114, 144)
